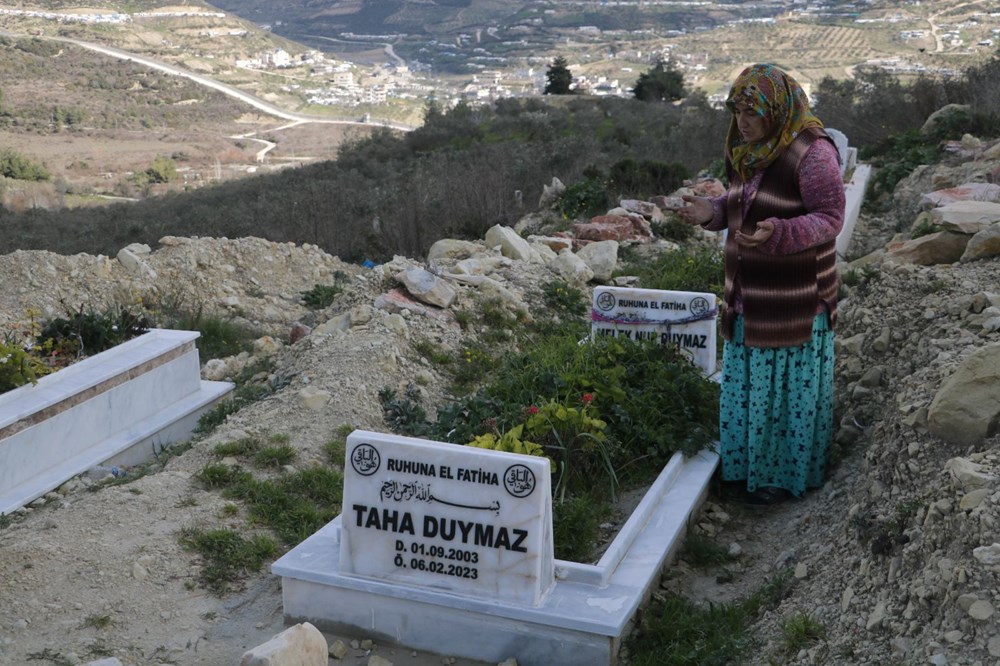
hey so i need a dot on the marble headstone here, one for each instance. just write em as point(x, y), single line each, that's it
point(682, 318)
point(456, 518)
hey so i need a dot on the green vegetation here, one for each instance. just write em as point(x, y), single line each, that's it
point(558, 78)
point(227, 556)
point(663, 83)
point(676, 632)
point(17, 166)
point(801, 631)
point(321, 296)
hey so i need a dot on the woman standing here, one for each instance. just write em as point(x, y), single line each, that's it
point(783, 210)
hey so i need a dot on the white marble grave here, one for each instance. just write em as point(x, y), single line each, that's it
point(455, 518)
point(582, 619)
point(682, 318)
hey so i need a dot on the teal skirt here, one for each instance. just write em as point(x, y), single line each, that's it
point(776, 411)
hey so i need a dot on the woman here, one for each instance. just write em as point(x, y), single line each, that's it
point(783, 211)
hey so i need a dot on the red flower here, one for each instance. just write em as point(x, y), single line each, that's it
point(587, 398)
point(532, 409)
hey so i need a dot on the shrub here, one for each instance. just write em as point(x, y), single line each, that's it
point(584, 198)
point(320, 296)
point(693, 268)
point(19, 367)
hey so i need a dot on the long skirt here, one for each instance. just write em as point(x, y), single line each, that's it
point(776, 411)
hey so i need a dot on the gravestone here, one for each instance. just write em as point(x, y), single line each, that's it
point(682, 318)
point(456, 518)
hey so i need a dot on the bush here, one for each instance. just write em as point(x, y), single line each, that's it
point(584, 198)
point(692, 268)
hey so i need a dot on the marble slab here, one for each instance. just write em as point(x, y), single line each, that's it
point(447, 517)
point(682, 318)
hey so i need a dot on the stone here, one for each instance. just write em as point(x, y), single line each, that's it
point(876, 617)
point(297, 332)
point(994, 646)
point(935, 119)
point(338, 324)
point(604, 227)
point(967, 475)
point(378, 660)
point(967, 217)
point(989, 192)
point(801, 571)
point(313, 398)
point(555, 243)
point(450, 248)
point(943, 247)
point(299, 645)
point(966, 409)
point(846, 598)
point(134, 264)
point(511, 244)
point(338, 649)
point(974, 498)
point(571, 268)
point(427, 287)
point(601, 257)
point(551, 193)
point(988, 555)
point(981, 610)
point(983, 245)
point(107, 661)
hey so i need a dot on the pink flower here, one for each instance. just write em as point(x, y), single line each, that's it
point(587, 398)
point(532, 409)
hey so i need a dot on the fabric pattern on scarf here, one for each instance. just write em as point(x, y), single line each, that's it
point(781, 101)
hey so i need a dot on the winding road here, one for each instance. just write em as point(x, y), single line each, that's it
point(224, 88)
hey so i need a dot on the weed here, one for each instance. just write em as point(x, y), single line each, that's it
point(403, 413)
point(97, 622)
point(242, 446)
point(583, 199)
point(923, 228)
point(432, 352)
point(701, 551)
point(673, 228)
point(226, 555)
point(463, 318)
point(275, 456)
point(321, 296)
point(564, 298)
point(185, 503)
point(229, 510)
point(576, 525)
point(220, 337)
point(222, 476)
point(800, 631)
point(50, 655)
point(686, 269)
point(676, 632)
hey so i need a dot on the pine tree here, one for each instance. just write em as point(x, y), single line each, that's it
point(559, 78)
point(663, 83)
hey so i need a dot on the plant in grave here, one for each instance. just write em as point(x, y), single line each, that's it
point(19, 367)
point(564, 299)
point(404, 414)
point(84, 332)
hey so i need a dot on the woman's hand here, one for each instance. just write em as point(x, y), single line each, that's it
point(764, 230)
point(697, 211)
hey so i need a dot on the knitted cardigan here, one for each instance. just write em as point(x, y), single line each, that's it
point(780, 293)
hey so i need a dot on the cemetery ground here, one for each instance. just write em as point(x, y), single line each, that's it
point(100, 569)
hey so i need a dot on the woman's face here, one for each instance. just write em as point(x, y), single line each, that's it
point(752, 127)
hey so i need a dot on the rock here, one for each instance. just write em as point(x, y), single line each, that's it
point(967, 475)
point(299, 645)
point(511, 245)
point(509, 661)
point(994, 646)
point(555, 243)
point(988, 555)
point(942, 115)
point(801, 571)
point(551, 193)
point(450, 248)
point(846, 598)
point(943, 247)
point(377, 660)
point(983, 245)
point(314, 399)
point(966, 217)
point(876, 617)
point(966, 408)
point(973, 499)
point(571, 268)
point(966, 192)
point(132, 262)
point(601, 257)
point(981, 610)
point(735, 550)
point(338, 649)
point(427, 287)
point(107, 661)
point(338, 324)
point(297, 332)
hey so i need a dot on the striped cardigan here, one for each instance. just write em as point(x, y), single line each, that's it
point(781, 293)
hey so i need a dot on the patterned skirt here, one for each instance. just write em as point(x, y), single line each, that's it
point(776, 411)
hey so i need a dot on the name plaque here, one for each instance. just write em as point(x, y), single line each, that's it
point(682, 318)
point(456, 518)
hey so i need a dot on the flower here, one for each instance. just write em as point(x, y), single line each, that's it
point(587, 398)
point(532, 410)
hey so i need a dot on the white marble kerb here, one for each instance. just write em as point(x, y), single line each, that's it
point(456, 518)
point(682, 318)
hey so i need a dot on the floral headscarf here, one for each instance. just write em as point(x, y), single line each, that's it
point(781, 101)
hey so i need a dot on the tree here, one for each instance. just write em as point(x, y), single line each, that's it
point(663, 83)
point(559, 78)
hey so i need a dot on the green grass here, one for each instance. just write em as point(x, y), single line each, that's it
point(701, 551)
point(676, 632)
point(227, 557)
point(275, 456)
point(576, 525)
point(801, 631)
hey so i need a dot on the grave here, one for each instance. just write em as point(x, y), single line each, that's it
point(685, 319)
point(119, 407)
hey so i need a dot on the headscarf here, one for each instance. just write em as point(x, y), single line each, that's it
point(781, 101)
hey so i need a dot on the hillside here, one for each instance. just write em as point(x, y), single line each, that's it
point(887, 558)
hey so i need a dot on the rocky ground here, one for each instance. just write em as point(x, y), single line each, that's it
point(892, 556)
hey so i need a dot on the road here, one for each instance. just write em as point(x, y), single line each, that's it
point(209, 82)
